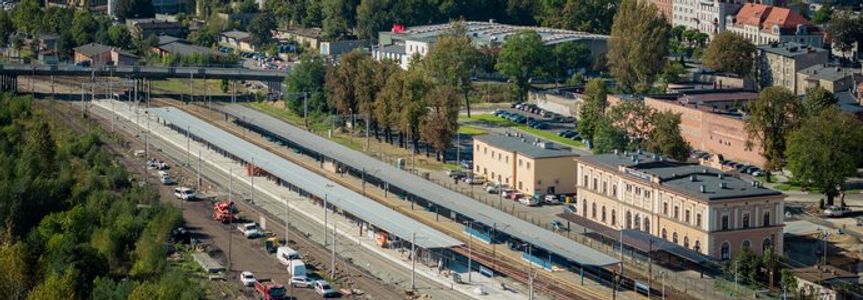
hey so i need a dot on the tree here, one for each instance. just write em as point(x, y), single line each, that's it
point(771, 118)
point(845, 29)
point(308, 77)
point(568, 58)
point(608, 137)
point(118, 36)
point(341, 82)
point(581, 15)
point(261, 29)
point(134, 9)
point(817, 99)
point(388, 102)
point(338, 19)
point(745, 266)
point(14, 271)
point(822, 15)
point(55, 287)
point(248, 7)
point(522, 57)
point(593, 109)
point(440, 123)
point(672, 72)
point(730, 52)
point(638, 44)
point(825, 150)
point(789, 283)
point(412, 105)
point(26, 15)
point(635, 119)
point(7, 28)
point(451, 61)
point(372, 17)
point(84, 27)
point(665, 138)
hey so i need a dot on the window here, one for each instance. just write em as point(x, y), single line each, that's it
point(697, 246)
point(628, 220)
point(745, 220)
point(637, 221)
point(595, 184)
point(604, 187)
point(698, 219)
point(766, 219)
point(677, 212)
point(477, 147)
point(584, 207)
point(519, 184)
point(686, 216)
point(646, 194)
point(584, 183)
point(646, 225)
point(685, 242)
point(603, 214)
point(614, 190)
point(665, 208)
point(674, 237)
point(724, 222)
point(725, 252)
point(746, 244)
point(528, 165)
point(628, 188)
point(539, 182)
point(766, 245)
point(593, 210)
point(664, 234)
point(613, 218)
point(477, 168)
point(519, 162)
point(638, 191)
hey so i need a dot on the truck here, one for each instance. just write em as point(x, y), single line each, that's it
point(223, 212)
point(286, 255)
point(269, 290)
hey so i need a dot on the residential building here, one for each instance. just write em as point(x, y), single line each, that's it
point(238, 40)
point(707, 16)
point(98, 55)
point(402, 43)
point(93, 5)
point(712, 122)
point(143, 28)
point(335, 49)
point(308, 37)
point(824, 282)
point(779, 63)
point(692, 206)
point(764, 24)
point(665, 8)
point(527, 165)
point(174, 46)
point(830, 77)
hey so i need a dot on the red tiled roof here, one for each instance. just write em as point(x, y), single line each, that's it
point(765, 17)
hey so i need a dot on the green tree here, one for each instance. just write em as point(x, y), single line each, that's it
point(107, 289)
point(672, 72)
point(451, 62)
point(745, 265)
point(665, 138)
point(119, 36)
point(372, 17)
point(440, 123)
point(388, 102)
point(308, 76)
point(813, 162)
point(248, 7)
point(822, 15)
point(844, 30)
point(608, 137)
point(523, 57)
point(26, 15)
point(84, 26)
point(338, 19)
point(638, 44)
point(149, 258)
point(771, 118)
point(818, 99)
point(593, 110)
point(134, 9)
point(789, 283)
point(55, 287)
point(582, 15)
point(7, 28)
point(730, 52)
point(340, 82)
point(568, 58)
point(412, 105)
point(635, 118)
point(15, 271)
point(261, 29)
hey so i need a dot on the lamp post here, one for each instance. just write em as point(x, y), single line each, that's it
point(469, 249)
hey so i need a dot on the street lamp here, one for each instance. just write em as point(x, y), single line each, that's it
point(469, 249)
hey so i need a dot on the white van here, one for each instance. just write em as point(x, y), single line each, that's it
point(285, 255)
point(297, 268)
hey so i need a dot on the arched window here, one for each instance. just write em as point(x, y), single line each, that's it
point(674, 237)
point(697, 247)
point(685, 242)
point(766, 245)
point(746, 244)
point(745, 220)
point(725, 252)
point(647, 224)
point(766, 219)
point(613, 218)
point(664, 234)
point(637, 225)
point(628, 220)
point(584, 208)
point(603, 214)
point(593, 210)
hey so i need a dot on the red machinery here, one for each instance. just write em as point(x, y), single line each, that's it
point(223, 212)
point(270, 290)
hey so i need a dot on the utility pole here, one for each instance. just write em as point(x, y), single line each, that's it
point(305, 111)
point(333, 262)
point(287, 223)
point(530, 272)
point(198, 182)
point(188, 145)
point(325, 219)
point(413, 260)
point(469, 250)
point(252, 173)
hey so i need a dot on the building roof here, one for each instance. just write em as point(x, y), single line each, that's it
point(393, 49)
point(236, 34)
point(485, 33)
point(92, 49)
point(828, 72)
point(358, 205)
point(313, 32)
point(183, 49)
point(789, 49)
point(526, 147)
point(848, 102)
point(694, 180)
point(701, 98)
point(167, 39)
point(819, 274)
point(422, 188)
point(765, 17)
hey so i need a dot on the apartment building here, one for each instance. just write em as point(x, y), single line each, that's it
point(698, 208)
point(764, 24)
point(835, 79)
point(665, 8)
point(712, 122)
point(527, 165)
point(707, 16)
point(779, 63)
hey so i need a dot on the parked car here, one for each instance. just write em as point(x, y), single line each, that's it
point(185, 193)
point(301, 281)
point(473, 180)
point(456, 174)
point(166, 179)
point(250, 230)
point(570, 208)
point(551, 199)
point(528, 201)
point(836, 211)
point(324, 289)
point(247, 279)
point(492, 188)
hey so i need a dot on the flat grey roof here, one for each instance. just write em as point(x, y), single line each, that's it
point(526, 148)
point(829, 72)
point(680, 177)
point(483, 33)
point(789, 49)
point(427, 190)
point(356, 204)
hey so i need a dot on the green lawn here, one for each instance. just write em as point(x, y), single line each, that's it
point(471, 130)
point(501, 122)
point(316, 124)
point(181, 86)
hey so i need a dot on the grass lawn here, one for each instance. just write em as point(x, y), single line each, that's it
point(471, 130)
point(181, 86)
point(501, 122)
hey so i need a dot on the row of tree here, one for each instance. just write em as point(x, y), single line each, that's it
point(71, 227)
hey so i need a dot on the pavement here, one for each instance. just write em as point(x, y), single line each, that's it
point(269, 196)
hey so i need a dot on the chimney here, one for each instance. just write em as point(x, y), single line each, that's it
point(703, 189)
point(722, 185)
point(693, 178)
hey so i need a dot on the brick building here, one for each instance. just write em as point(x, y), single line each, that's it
point(697, 208)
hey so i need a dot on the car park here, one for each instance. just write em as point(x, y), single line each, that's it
point(247, 279)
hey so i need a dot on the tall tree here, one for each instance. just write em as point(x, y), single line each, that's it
point(817, 99)
point(638, 44)
point(826, 150)
point(730, 52)
point(261, 29)
point(372, 17)
point(338, 19)
point(413, 107)
point(26, 16)
point(15, 271)
point(308, 78)
point(452, 60)
point(636, 119)
point(340, 82)
point(84, 26)
point(568, 58)
point(7, 28)
point(772, 117)
point(388, 102)
point(844, 30)
point(441, 121)
point(55, 287)
point(593, 109)
point(523, 57)
point(665, 137)
point(582, 15)
point(608, 137)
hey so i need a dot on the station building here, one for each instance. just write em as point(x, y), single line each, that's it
point(691, 206)
point(527, 165)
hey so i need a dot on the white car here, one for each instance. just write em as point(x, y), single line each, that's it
point(166, 180)
point(324, 289)
point(836, 211)
point(301, 281)
point(185, 193)
point(249, 230)
point(247, 278)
